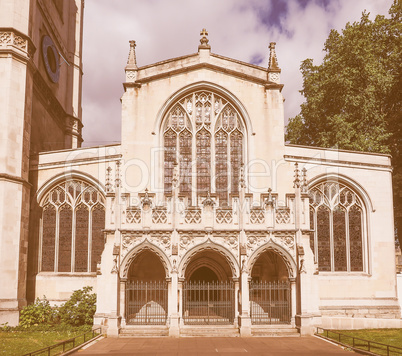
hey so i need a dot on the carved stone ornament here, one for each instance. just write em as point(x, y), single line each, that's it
point(208, 201)
point(255, 240)
point(174, 267)
point(109, 185)
point(296, 181)
point(115, 269)
point(204, 40)
point(146, 201)
point(287, 240)
point(274, 77)
point(269, 201)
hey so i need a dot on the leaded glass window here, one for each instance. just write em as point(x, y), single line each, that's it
point(205, 129)
point(72, 222)
point(336, 216)
point(203, 161)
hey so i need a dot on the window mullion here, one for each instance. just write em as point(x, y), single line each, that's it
point(315, 236)
point(228, 170)
point(348, 263)
point(40, 242)
point(331, 238)
point(194, 172)
point(73, 226)
point(56, 240)
point(90, 239)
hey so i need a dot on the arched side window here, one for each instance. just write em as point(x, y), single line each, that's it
point(337, 218)
point(203, 133)
point(72, 222)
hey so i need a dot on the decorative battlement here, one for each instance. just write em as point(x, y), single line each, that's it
point(209, 215)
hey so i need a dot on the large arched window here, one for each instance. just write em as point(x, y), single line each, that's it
point(337, 218)
point(72, 222)
point(203, 133)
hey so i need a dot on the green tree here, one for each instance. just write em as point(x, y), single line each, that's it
point(353, 99)
point(79, 309)
point(38, 313)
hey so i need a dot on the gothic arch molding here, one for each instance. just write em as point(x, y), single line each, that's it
point(272, 246)
point(331, 202)
point(335, 177)
point(206, 262)
point(204, 85)
point(209, 246)
point(135, 251)
point(70, 175)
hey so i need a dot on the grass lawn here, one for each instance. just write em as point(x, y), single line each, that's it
point(21, 342)
point(391, 337)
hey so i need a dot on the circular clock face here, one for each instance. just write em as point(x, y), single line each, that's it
point(51, 59)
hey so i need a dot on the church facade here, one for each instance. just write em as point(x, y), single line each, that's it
point(204, 217)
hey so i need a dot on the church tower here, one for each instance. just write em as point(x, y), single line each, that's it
point(40, 100)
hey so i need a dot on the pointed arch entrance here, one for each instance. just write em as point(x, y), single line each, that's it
point(208, 293)
point(146, 290)
point(270, 290)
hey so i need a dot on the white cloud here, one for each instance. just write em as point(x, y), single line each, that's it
point(165, 29)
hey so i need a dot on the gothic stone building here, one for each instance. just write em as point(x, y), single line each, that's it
point(202, 216)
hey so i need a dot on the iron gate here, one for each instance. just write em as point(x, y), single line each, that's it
point(146, 303)
point(208, 303)
point(270, 303)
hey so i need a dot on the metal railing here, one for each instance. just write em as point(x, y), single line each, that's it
point(270, 303)
point(146, 302)
point(208, 303)
point(63, 346)
point(373, 347)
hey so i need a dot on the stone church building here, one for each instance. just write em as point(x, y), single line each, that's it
point(202, 217)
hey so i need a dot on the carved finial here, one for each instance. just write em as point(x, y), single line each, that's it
point(296, 182)
point(269, 201)
point(108, 185)
point(117, 180)
point(146, 201)
point(204, 40)
point(242, 180)
point(273, 68)
point(273, 62)
point(131, 67)
point(132, 59)
point(304, 186)
point(208, 201)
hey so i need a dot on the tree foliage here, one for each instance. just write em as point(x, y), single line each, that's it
point(353, 99)
point(38, 313)
point(77, 311)
point(80, 308)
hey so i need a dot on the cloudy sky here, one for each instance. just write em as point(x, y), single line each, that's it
point(240, 29)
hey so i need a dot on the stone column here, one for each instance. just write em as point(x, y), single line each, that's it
point(180, 299)
point(236, 302)
point(245, 320)
point(123, 282)
point(293, 300)
point(173, 312)
point(114, 322)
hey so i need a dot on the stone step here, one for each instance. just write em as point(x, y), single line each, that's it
point(274, 331)
point(144, 331)
point(209, 331)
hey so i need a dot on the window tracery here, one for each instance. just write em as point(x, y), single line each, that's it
point(72, 222)
point(201, 127)
point(336, 215)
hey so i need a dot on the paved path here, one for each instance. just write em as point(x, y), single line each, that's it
point(185, 346)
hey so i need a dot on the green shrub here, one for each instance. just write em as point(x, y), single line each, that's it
point(79, 309)
point(38, 313)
